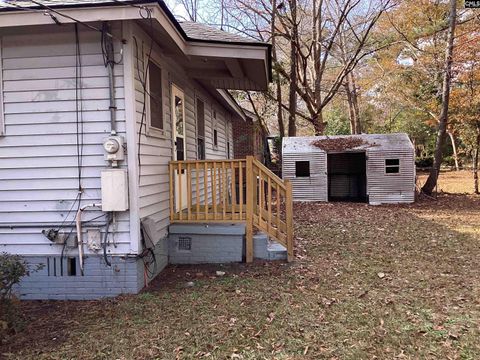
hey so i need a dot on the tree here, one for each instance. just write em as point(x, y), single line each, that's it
point(432, 179)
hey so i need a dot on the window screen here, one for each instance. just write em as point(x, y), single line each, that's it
point(392, 166)
point(215, 137)
point(155, 90)
point(200, 130)
point(302, 168)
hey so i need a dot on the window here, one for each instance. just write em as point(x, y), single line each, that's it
point(302, 169)
point(215, 131)
point(215, 138)
point(228, 149)
point(392, 166)
point(155, 98)
point(200, 130)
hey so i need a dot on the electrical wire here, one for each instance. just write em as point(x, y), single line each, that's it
point(49, 10)
point(143, 81)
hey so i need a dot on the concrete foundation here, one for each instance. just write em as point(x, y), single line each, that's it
point(202, 243)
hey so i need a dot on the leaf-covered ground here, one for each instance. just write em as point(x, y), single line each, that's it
point(382, 282)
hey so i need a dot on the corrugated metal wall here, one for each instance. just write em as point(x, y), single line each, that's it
point(391, 188)
point(381, 187)
point(314, 188)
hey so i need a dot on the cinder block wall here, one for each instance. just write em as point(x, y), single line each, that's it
point(200, 243)
point(53, 281)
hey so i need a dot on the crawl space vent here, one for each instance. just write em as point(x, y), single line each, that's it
point(184, 243)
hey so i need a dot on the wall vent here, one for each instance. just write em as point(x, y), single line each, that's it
point(184, 243)
point(62, 266)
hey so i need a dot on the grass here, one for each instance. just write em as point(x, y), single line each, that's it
point(381, 282)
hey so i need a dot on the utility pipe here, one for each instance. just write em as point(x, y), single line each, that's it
point(78, 223)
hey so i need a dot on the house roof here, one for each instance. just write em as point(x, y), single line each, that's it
point(199, 31)
point(191, 30)
point(370, 142)
point(217, 58)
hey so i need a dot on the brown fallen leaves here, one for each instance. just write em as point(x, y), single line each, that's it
point(339, 144)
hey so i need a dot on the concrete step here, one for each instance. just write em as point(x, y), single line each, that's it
point(267, 249)
point(276, 251)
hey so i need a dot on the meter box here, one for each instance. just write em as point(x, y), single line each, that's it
point(114, 190)
point(113, 146)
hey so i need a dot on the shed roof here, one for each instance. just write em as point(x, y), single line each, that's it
point(371, 142)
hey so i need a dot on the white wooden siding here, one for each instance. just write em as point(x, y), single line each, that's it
point(38, 156)
point(156, 150)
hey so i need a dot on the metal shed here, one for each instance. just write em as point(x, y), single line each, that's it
point(373, 168)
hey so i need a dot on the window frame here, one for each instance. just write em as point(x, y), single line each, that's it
point(200, 137)
point(2, 108)
point(390, 166)
point(214, 129)
point(309, 170)
point(150, 129)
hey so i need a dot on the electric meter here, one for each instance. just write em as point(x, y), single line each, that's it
point(113, 146)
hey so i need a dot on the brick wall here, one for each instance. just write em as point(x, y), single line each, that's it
point(247, 139)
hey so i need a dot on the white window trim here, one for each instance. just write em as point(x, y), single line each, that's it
point(392, 166)
point(151, 130)
point(2, 109)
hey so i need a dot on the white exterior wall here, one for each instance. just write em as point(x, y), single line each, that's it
point(391, 188)
point(156, 150)
point(38, 156)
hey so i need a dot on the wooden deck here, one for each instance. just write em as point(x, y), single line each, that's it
point(233, 191)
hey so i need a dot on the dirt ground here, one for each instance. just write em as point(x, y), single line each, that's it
point(369, 282)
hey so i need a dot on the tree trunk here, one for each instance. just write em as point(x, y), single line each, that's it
point(431, 182)
point(455, 152)
point(318, 124)
point(292, 98)
point(356, 110)
point(281, 125)
point(475, 164)
point(352, 99)
point(351, 111)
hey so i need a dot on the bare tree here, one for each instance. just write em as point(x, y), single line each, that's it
point(432, 179)
point(292, 95)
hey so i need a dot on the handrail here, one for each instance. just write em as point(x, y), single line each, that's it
point(238, 190)
point(269, 202)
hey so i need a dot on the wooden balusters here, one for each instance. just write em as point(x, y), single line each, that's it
point(220, 196)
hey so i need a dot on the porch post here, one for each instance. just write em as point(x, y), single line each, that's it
point(289, 219)
point(249, 210)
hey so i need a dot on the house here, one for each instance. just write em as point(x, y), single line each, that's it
point(373, 168)
point(250, 138)
point(115, 140)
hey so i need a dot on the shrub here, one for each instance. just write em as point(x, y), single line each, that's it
point(12, 269)
point(424, 162)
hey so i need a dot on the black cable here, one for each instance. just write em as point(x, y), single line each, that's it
point(105, 238)
point(143, 81)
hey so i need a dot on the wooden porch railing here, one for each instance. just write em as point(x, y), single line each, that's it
point(233, 191)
